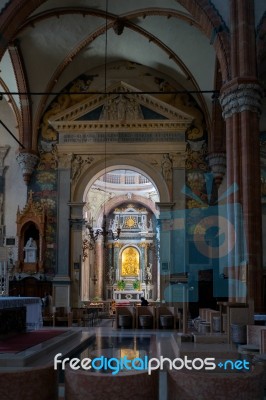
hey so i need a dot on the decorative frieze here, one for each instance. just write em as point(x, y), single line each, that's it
point(133, 134)
point(243, 97)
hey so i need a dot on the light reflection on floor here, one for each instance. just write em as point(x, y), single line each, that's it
point(129, 342)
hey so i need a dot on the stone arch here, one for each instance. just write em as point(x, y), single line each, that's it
point(116, 201)
point(212, 24)
point(90, 175)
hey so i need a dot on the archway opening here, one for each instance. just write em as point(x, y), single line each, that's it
point(125, 199)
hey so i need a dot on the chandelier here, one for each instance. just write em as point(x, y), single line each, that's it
point(104, 232)
point(94, 233)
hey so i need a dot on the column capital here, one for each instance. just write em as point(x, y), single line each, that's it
point(27, 160)
point(64, 160)
point(166, 209)
point(241, 95)
point(165, 206)
point(178, 160)
point(217, 163)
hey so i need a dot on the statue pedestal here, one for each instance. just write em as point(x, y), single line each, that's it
point(30, 255)
point(30, 268)
point(127, 295)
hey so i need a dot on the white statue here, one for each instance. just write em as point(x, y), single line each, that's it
point(149, 272)
point(31, 243)
point(30, 251)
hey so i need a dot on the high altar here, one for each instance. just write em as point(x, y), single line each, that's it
point(130, 263)
point(127, 295)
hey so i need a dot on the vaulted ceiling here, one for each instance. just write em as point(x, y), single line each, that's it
point(47, 44)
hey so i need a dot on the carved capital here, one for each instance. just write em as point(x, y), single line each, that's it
point(217, 163)
point(241, 97)
point(27, 161)
point(64, 160)
point(178, 160)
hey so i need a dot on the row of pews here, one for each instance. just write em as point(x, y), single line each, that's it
point(147, 317)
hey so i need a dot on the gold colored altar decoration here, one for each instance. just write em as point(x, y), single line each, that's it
point(130, 262)
point(131, 222)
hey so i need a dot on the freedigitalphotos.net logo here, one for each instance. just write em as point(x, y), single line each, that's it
point(116, 365)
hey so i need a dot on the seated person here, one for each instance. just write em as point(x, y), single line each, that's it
point(144, 302)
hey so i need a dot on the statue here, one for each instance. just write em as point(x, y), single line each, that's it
point(30, 251)
point(167, 167)
point(76, 167)
point(149, 273)
point(31, 243)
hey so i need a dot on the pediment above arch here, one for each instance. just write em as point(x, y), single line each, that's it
point(123, 109)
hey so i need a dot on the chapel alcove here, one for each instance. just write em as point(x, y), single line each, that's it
point(31, 223)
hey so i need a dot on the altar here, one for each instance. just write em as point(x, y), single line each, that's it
point(128, 295)
point(33, 307)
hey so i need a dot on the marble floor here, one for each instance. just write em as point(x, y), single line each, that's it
point(170, 344)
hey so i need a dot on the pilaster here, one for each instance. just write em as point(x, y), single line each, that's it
point(166, 251)
point(99, 267)
point(63, 215)
point(3, 152)
point(76, 270)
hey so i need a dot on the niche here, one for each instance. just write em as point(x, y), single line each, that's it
point(31, 223)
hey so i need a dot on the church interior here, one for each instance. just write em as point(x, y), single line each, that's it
point(132, 168)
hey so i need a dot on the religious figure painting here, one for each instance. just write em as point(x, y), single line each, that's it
point(130, 262)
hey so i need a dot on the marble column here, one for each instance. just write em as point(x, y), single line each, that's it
point(3, 168)
point(99, 267)
point(61, 280)
point(143, 259)
point(86, 271)
point(77, 272)
point(117, 246)
point(166, 250)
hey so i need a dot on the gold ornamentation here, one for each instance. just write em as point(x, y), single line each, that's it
point(130, 262)
point(131, 222)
